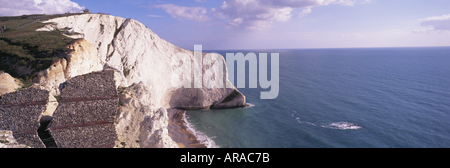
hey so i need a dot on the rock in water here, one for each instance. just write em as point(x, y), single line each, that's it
point(141, 56)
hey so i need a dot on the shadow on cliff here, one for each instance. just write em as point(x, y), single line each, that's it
point(187, 98)
point(203, 98)
point(44, 134)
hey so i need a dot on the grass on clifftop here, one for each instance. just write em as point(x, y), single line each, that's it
point(26, 48)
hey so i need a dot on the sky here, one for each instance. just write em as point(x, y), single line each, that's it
point(271, 24)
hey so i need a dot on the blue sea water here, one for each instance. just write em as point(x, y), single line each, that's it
point(345, 98)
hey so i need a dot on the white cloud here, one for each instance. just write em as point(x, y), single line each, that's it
point(23, 7)
point(305, 12)
point(154, 16)
point(260, 14)
point(251, 14)
point(436, 18)
point(345, 2)
point(435, 24)
point(183, 12)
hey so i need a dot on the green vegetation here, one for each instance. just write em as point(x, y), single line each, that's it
point(108, 57)
point(99, 45)
point(126, 71)
point(14, 20)
point(25, 82)
point(121, 90)
point(25, 51)
point(58, 98)
point(102, 28)
point(117, 30)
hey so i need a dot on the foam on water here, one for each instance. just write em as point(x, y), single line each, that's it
point(250, 105)
point(301, 122)
point(201, 137)
point(342, 126)
point(336, 125)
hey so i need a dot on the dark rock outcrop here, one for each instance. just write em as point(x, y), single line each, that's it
point(85, 114)
point(20, 113)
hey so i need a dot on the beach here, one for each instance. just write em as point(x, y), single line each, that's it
point(178, 131)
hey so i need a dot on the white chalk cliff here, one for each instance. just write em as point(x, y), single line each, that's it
point(8, 83)
point(139, 123)
point(81, 60)
point(145, 70)
point(140, 55)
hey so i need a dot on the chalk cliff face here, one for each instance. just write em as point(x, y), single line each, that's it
point(139, 123)
point(8, 83)
point(81, 60)
point(141, 56)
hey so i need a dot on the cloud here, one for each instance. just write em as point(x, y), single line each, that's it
point(182, 12)
point(254, 14)
point(154, 16)
point(251, 14)
point(435, 24)
point(260, 14)
point(345, 2)
point(305, 12)
point(23, 7)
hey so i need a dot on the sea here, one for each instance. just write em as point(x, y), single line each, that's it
point(340, 98)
